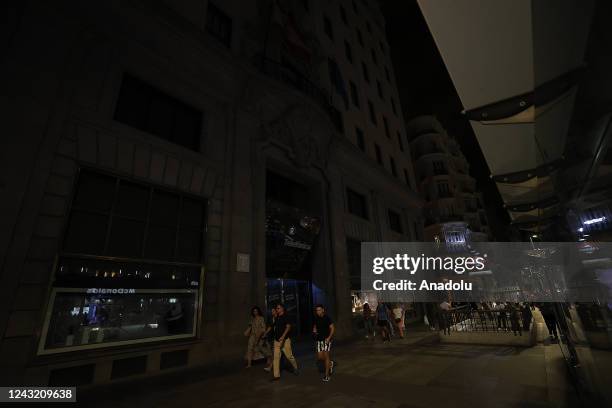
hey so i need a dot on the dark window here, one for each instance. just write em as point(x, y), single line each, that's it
point(219, 25)
point(393, 168)
point(374, 59)
point(443, 190)
point(343, 15)
point(400, 142)
point(366, 76)
point(356, 204)
point(360, 37)
point(116, 217)
point(386, 125)
point(372, 113)
point(378, 154)
point(360, 139)
point(327, 26)
point(439, 167)
point(148, 109)
point(393, 107)
point(380, 90)
point(395, 222)
point(354, 94)
point(348, 51)
point(337, 119)
point(387, 75)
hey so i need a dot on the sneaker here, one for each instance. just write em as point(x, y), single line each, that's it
point(274, 379)
point(296, 371)
point(267, 369)
point(325, 379)
point(331, 366)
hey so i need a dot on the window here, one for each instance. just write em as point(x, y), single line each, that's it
point(120, 218)
point(114, 295)
point(387, 75)
point(146, 108)
point(348, 51)
point(360, 38)
point(374, 59)
point(378, 154)
point(327, 26)
point(443, 190)
point(400, 142)
point(364, 68)
point(343, 15)
point(219, 25)
point(386, 125)
point(372, 113)
point(393, 168)
point(380, 90)
point(395, 222)
point(393, 107)
point(439, 167)
point(337, 119)
point(360, 139)
point(354, 94)
point(356, 204)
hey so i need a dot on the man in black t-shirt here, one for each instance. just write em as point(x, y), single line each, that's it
point(323, 331)
point(282, 342)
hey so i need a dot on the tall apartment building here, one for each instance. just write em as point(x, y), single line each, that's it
point(171, 164)
point(454, 210)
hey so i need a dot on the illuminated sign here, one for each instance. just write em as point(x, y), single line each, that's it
point(109, 291)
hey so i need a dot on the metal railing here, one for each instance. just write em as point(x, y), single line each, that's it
point(291, 76)
point(466, 319)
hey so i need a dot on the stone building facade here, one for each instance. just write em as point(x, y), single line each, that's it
point(194, 108)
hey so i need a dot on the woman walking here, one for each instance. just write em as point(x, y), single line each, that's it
point(255, 332)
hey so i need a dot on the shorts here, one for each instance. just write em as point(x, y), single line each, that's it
point(322, 345)
point(382, 323)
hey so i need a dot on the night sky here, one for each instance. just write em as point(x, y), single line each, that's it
point(425, 87)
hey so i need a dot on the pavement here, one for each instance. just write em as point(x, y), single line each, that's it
point(413, 372)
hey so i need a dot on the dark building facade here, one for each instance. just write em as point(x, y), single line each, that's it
point(168, 165)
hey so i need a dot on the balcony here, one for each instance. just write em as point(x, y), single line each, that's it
point(290, 76)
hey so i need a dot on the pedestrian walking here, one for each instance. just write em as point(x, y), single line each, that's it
point(398, 316)
point(255, 332)
point(323, 331)
point(445, 308)
point(269, 336)
point(368, 321)
point(550, 318)
point(282, 342)
point(382, 321)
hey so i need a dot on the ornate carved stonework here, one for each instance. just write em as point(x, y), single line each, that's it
point(304, 133)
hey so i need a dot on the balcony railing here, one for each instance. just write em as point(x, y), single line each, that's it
point(292, 77)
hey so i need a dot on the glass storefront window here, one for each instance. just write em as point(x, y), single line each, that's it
point(131, 267)
point(97, 317)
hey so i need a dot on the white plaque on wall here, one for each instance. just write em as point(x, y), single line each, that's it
point(243, 262)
